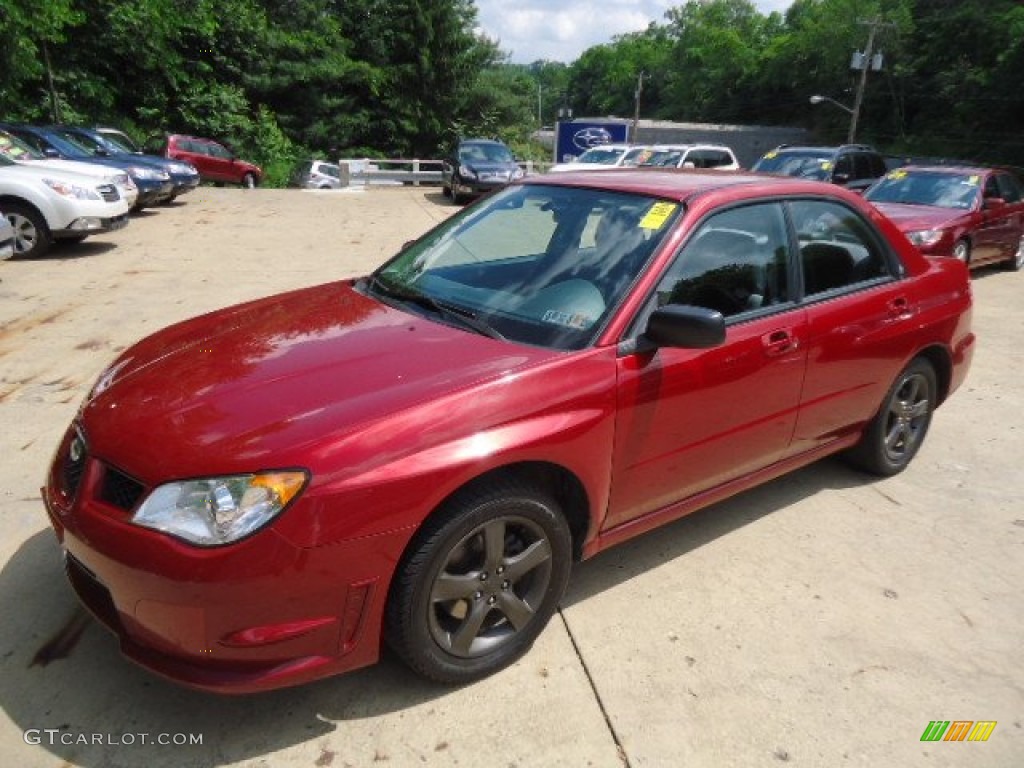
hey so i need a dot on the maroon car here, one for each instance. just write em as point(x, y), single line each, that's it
point(264, 495)
point(973, 214)
point(213, 160)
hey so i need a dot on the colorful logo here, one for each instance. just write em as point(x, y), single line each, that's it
point(958, 730)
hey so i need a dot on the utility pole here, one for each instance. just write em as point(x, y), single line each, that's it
point(636, 99)
point(873, 26)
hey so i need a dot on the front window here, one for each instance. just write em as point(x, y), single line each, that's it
point(601, 156)
point(804, 165)
point(542, 265)
point(485, 153)
point(942, 189)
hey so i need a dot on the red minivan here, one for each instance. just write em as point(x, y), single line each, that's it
point(214, 161)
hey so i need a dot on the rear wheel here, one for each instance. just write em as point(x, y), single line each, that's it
point(1016, 263)
point(479, 583)
point(894, 435)
point(32, 237)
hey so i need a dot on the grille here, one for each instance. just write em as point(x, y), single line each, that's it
point(119, 490)
point(108, 192)
point(74, 464)
point(93, 595)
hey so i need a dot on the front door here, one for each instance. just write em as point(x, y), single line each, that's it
point(689, 420)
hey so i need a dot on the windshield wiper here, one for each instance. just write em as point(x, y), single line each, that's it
point(461, 315)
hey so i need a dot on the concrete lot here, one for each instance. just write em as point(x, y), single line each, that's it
point(820, 621)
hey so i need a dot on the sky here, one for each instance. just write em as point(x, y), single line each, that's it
point(560, 30)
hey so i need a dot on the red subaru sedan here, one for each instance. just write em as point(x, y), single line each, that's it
point(266, 494)
point(973, 214)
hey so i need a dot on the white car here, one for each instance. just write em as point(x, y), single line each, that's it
point(716, 157)
point(44, 204)
point(17, 150)
point(606, 156)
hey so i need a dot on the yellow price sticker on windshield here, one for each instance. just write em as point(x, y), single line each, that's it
point(973, 181)
point(657, 216)
point(771, 155)
point(826, 165)
point(897, 175)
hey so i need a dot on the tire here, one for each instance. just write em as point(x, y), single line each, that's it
point(478, 583)
point(32, 237)
point(962, 251)
point(249, 181)
point(894, 435)
point(456, 197)
point(1016, 263)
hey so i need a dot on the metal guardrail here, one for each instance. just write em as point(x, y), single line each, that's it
point(405, 171)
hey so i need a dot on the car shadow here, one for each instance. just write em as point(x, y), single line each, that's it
point(62, 251)
point(61, 670)
point(439, 198)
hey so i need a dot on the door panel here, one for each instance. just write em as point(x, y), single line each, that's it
point(689, 420)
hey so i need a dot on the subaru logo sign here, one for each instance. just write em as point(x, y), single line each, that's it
point(591, 137)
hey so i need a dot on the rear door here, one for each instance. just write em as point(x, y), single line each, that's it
point(860, 321)
point(690, 420)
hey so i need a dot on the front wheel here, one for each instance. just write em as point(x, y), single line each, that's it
point(962, 251)
point(249, 181)
point(32, 237)
point(479, 583)
point(1016, 263)
point(894, 435)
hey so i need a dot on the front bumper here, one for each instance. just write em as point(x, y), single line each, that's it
point(259, 614)
point(92, 225)
point(183, 183)
point(152, 192)
point(476, 187)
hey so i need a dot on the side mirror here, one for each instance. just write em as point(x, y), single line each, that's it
point(51, 152)
point(993, 203)
point(685, 327)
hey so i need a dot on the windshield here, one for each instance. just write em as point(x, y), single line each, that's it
point(120, 142)
point(665, 158)
point(17, 150)
point(937, 188)
point(485, 153)
point(541, 265)
point(637, 156)
point(601, 155)
point(804, 165)
point(68, 147)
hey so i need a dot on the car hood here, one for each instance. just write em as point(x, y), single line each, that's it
point(73, 166)
point(32, 173)
point(484, 166)
point(911, 218)
point(269, 383)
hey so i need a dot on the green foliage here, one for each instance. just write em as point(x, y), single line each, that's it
point(388, 78)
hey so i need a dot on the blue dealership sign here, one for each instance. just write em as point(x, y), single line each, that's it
point(576, 137)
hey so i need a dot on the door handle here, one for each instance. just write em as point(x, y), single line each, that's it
point(779, 342)
point(899, 306)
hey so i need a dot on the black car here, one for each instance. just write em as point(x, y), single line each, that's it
point(184, 175)
point(856, 166)
point(477, 166)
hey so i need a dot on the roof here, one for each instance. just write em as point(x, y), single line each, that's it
point(681, 185)
point(966, 169)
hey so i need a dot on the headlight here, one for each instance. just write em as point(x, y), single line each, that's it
point(68, 189)
point(148, 173)
point(465, 170)
point(182, 168)
point(925, 237)
point(218, 510)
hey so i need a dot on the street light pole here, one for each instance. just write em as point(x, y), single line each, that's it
point(636, 97)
